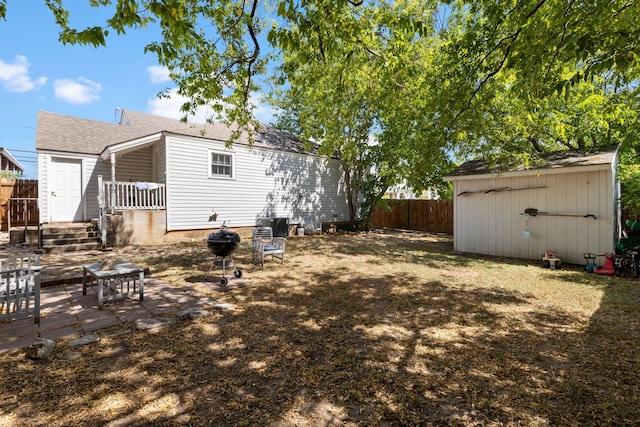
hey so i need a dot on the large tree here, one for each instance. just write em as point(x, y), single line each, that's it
point(520, 78)
point(343, 92)
point(488, 83)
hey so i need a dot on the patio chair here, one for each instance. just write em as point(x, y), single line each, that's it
point(20, 287)
point(264, 244)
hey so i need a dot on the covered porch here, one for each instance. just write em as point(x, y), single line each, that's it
point(132, 201)
point(137, 175)
point(131, 212)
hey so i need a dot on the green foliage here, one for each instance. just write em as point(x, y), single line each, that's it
point(345, 84)
point(630, 178)
point(436, 82)
point(629, 175)
point(522, 78)
point(5, 174)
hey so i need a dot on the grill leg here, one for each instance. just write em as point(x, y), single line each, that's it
point(226, 260)
point(210, 268)
point(224, 266)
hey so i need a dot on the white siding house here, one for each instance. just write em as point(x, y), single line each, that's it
point(575, 195)
point(264, 183)
point(8, 163)
point(191, 168)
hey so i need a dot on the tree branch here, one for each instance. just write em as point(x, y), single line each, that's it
point(507, 50)
point(256, 51)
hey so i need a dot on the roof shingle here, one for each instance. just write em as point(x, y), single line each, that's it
point(61, 133)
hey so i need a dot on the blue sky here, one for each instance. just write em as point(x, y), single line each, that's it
point(39, 73)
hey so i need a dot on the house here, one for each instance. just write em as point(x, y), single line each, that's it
point(161, 179)
point(8, 163)
point(572, 200)
point(402, 191)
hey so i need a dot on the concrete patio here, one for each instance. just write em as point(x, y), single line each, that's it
point(66, 313)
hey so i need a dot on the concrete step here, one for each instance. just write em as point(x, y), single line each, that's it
point(72, 247)
point(73, 240)
point(80, 228)
point(70, 237)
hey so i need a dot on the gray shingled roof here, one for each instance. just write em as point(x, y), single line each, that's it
point(552, 160)
point(56, 132)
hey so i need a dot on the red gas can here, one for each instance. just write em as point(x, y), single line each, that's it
point(608, 268)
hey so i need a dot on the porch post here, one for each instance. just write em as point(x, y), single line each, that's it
point(113, 182)
point(102, 212)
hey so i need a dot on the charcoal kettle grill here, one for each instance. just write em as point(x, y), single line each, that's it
point(223, 244)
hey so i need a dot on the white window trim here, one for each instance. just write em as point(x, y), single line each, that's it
point(233, 164)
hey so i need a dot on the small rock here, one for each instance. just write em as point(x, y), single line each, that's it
point(192, 313)
point(40, 349)
point(223, 307)
point(119, 333)
point(87, 339)
point(154, 323)
point(71, 357)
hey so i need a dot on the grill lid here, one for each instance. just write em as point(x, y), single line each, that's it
point(223, 243)
point(223, 236)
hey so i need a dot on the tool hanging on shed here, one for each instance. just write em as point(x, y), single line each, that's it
point(527, 232)
point(536, 212)
point(486, 191)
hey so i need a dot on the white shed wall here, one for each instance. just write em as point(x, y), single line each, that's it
point(267, 183)
point(493, 223)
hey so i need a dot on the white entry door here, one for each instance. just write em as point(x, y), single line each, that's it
point(66, 190)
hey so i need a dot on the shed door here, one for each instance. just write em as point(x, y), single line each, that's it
point(66, 190)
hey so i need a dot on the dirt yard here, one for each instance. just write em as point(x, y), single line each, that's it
point(381, 329)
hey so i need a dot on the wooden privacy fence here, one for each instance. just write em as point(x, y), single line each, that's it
point(18, 202)
point(424, 215)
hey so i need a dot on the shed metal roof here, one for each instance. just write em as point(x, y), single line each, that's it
point(551, 161)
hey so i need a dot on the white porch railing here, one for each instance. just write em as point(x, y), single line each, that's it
point(133, 195)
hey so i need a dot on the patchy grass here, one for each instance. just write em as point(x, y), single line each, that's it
point(386, 328)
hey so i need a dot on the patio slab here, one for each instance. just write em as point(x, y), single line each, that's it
point(66, 313)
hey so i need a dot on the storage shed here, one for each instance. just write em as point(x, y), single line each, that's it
point(572, 200)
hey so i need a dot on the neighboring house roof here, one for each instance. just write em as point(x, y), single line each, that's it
point(551, 160)
point(56, 132)
point(10, 161)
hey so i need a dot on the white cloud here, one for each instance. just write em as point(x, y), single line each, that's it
point(170, 107)
point(264, 113)
point(79, 91)
point(158, 74)
point(15, 76)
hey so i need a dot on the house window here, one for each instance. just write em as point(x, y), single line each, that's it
point(221, 165)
